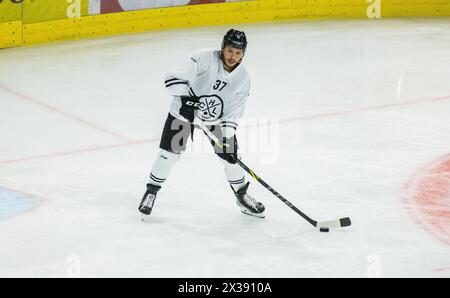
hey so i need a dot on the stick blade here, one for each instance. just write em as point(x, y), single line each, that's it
point(338, 223)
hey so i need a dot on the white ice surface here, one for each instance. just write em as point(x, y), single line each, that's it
point(80, 126)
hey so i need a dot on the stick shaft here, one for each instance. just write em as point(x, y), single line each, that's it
point(279, 196)
point(257, 178)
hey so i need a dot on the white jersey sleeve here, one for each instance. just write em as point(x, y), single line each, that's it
point(179, 79)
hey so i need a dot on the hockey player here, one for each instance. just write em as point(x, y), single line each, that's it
point(212, 86)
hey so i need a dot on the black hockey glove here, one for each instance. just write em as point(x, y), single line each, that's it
point(228, 153)
point(189, 107)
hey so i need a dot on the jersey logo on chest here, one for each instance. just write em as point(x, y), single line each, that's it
point(210, 108)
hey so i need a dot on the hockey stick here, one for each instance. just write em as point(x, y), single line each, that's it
point(338, 223)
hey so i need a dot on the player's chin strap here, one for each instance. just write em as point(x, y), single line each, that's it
point(338, 223)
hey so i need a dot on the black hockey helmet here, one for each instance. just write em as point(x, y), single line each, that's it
point(235, 39)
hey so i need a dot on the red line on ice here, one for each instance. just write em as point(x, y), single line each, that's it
point(286, 120)
point(63, 113)
point(427, 198)
point(441, 269)
point(84, 150)
point(340, 113)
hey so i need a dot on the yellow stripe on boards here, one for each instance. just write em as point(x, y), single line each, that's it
point(10, 34)
point(222, 14)
point(190, 16)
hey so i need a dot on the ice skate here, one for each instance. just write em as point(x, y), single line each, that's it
point(148, 200)
point(248, 204)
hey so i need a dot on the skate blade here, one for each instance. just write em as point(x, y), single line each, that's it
point(258, 215)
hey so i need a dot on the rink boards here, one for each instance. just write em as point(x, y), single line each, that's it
point(41, 21)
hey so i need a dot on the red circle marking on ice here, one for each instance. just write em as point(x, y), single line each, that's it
point(427, 198)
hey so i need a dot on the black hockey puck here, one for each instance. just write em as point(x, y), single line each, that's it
point(324, 229)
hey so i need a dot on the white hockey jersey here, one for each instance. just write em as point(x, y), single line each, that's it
point(222, 94)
